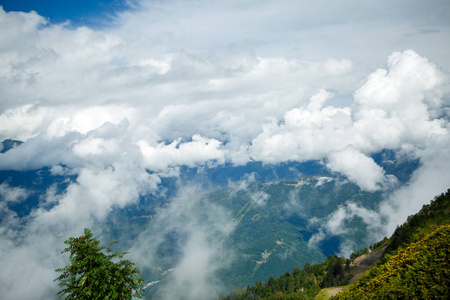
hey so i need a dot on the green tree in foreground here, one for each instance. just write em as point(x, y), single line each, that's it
point(94, 274)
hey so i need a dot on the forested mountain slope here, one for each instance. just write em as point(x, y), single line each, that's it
point(415, 264)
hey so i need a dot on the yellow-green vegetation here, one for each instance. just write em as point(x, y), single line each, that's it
point(418, 271)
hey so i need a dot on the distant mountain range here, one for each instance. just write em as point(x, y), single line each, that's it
point(273, 223)
point(258, 221)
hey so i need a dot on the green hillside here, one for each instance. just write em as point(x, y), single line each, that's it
point(415, 265)
point(300, 284)
point(435, 214)
point(272, 237)
point(421, 270)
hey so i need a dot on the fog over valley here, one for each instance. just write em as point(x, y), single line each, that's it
point(217, 141)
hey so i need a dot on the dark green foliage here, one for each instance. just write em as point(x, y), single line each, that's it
point(378, 245)
point(334, 268)
point(296, 285)
point(94, 275)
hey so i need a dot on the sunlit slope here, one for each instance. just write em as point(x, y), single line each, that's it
point(419, 271)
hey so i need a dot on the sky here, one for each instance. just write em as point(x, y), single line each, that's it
point(77, 13)
point(109, 90)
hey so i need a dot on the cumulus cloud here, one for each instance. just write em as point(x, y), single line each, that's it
point(194, 276)
point(322, 180)
point(188, 83)
point(28, 267)
point(397, 105)
point(394, 109)
point(199, 150)
point(9, 221)
point(358, 168)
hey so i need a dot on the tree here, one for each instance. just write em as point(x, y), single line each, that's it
point(94, 274)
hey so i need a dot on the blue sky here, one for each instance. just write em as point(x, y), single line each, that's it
point(79, 12)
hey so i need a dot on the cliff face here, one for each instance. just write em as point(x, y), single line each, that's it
point(368, 259)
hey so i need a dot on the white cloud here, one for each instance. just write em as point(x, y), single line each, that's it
point(242, 184)
point(428, 181)
point(9, 194)
point(337, 224)
point(28, 267)
point(196, 83)
point(322, 180)
point(394, 109)
point(21, 122)
point(96, 192)
point(193, 277)
point(304, 135)
point(199, 228)
point(396, 105)
point(177, 153)
point(259, 198)
point(358, 168)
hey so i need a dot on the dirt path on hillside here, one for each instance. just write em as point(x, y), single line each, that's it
point(326, 293)
point(357, 268)
point(333, 291)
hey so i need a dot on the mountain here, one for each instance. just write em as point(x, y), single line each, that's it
point(8, 144)
point(255, 221)
point(413, 263)
point(272, 225)
point(270, 228)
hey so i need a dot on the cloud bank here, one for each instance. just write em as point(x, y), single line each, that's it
point(201, 83)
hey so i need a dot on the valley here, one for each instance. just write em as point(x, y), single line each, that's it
point(270, 227)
